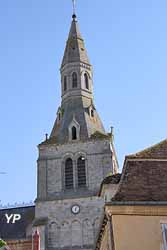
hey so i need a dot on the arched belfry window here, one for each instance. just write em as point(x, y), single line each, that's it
point(74, 133)
point(86, 81)
point(74, 80)
point(81, 169)
point(69, 174)
point(65, 83)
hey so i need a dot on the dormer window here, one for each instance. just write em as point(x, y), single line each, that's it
point(86, 81)
point(65, 83)
point(92, 113)
point(74, 80)
point(74, 130)
point(59, 114)
point(74, 133)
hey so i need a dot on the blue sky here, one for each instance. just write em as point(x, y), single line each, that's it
point(126, 43)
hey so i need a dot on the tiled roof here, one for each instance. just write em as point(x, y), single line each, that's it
point(112, 179)
point(17, 230)
point(144, 176)
point(158, 151)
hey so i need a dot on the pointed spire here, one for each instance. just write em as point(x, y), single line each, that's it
point(75, 49)
point(74, 30)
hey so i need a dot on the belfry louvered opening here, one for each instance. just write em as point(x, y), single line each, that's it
point(86, 81)
point(81, 172)
point(74, 80)
point(69, 183)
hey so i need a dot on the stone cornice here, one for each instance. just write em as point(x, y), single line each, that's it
point(144, 210)
point(144, 159)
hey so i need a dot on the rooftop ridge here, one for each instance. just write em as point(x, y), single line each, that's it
point(147, 151)
point(17, 205)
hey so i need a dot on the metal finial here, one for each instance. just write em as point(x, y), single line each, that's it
point(74, 8)
point(112, 133)
point(46, 137)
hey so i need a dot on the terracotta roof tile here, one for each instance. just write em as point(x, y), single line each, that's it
point(157, 151)
point(144, 175)
point(112, 179)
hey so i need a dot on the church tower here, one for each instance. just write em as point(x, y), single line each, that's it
point(74, 159)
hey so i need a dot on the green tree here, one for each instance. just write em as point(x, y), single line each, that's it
point(2, 243)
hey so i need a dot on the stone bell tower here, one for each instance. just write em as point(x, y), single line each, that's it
point(74, 160)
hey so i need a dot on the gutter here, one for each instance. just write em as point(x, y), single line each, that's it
point(137, 203)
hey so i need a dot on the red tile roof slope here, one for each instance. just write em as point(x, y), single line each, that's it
point(157, 151)
point(144, 179)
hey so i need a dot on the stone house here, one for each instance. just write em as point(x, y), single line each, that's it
point(136, 212)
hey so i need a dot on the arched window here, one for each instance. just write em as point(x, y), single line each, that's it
point(69, 174)
point(74, 133)
point(86, 81)
point(92, 113)
point(65, 83)
point(81, 172)
point(74, 80)
point(53, 234)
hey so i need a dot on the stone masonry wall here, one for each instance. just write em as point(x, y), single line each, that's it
point(52, 160)
point(66, 230)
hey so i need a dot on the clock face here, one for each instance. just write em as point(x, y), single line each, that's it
point(75, 209)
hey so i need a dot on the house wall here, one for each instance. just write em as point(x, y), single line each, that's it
point(105, 244)
point(137, 232)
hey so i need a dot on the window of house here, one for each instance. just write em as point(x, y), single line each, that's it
point(164, 234)
point(86, 81)
point(74, 133)
point(74, 80)
point(81, 169)
point(65, 83)
point(69, 174)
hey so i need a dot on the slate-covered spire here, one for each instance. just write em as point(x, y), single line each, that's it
point(77, 118)
point(75, 49)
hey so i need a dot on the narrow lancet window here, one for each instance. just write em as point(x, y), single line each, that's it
point(69, 174)
point(74, 80)
point(86, 81)
point(92, 113)
point(74, 133)
point(81, 172)
point(65, 83)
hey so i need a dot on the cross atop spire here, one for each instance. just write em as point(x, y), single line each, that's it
point(74, 9)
